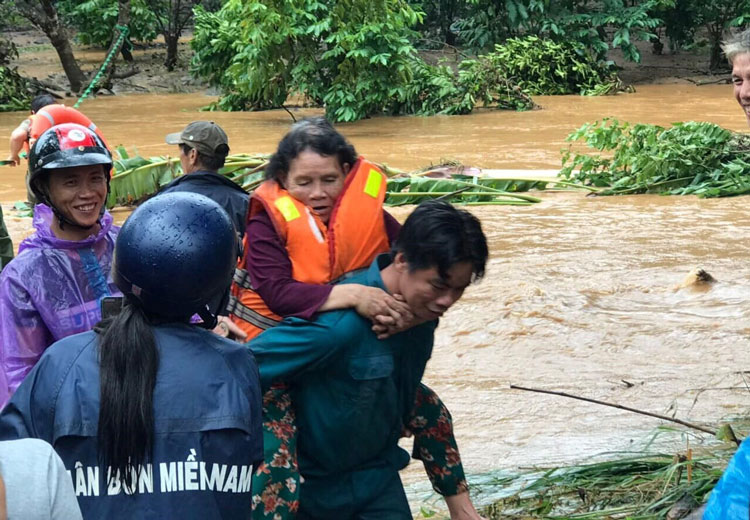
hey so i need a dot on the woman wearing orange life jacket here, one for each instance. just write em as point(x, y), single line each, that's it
point(318, 216)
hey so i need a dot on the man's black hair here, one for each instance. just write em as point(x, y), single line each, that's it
point(41, 101)
point(438, 235)
point(212, 164)
point(315, 134)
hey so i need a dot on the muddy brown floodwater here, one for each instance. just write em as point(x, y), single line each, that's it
point(580, 292)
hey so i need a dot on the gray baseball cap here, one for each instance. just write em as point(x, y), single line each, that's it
point(205, 136)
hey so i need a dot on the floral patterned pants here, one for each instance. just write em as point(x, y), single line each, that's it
point(276, 481)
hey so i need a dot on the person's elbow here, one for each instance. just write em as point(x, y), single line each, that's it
point(18, 135)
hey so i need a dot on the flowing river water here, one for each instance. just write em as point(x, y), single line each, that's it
point(580, 293)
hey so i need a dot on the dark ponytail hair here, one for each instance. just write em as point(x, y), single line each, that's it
point(128, 362)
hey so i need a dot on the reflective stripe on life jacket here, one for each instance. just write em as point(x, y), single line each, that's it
point(355, 235)
point(51, 115)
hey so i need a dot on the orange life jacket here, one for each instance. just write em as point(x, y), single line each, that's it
point(51, 115)
point(355, 235)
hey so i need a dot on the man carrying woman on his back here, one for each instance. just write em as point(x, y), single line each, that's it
point(319, 218)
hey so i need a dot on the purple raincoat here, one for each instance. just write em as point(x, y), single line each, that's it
point(49, 291)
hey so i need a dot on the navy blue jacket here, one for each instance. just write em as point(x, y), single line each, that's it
point(218, 188)
point(207, 411)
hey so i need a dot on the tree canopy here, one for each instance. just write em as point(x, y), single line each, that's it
point(359, 58)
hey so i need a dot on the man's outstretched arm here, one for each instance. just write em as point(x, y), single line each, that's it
point(17, 138)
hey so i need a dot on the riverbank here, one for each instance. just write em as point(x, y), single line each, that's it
point(38, 59)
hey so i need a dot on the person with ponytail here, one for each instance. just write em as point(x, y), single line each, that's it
point(52, 289)
point(154, 416)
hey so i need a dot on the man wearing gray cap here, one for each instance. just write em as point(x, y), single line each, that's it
point(203, 148)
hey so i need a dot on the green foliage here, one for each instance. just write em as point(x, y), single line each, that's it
point(350, 55)
point(438, 89)
point(679, 23)
point(458, 189)
point(432, 90)
point(590, 24)
point(354, 57)
point(14, 91)
point(436, 27)
point(487, 83)
point(486, 22)
point(546, 67)
point(215, 39)
point(95, 20)
point(688, 158)
point(636, 487)
point(687, 21)
point(10, 19)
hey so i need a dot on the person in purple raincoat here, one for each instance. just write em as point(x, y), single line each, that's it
point(53, 288)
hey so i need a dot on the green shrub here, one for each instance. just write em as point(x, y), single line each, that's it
point(545, 67)
point(95, 20)
point(691, 158)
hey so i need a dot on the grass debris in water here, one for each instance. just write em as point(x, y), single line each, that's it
point(635, 487)
point(690, 158)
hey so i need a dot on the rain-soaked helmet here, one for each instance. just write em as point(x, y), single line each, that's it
point(175, 254)
point(65, 146)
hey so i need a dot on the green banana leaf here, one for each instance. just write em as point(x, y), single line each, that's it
point(137, 178)
point(511, 185)
point(135, 184)
point(414, 189)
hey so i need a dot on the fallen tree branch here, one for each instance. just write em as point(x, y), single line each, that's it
point(126, 73)
point(620, 407)
point(709, 81)
point(54, 90)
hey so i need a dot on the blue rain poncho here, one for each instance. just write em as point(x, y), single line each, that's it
point(51, 290)
point(730, 499)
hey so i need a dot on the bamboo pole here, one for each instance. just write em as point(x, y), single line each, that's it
point(620, 407)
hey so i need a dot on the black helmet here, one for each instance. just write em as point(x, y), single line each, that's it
point(65, 146)
point(175, 253)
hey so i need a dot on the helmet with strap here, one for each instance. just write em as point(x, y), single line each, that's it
point(175, 254)
point(65, 146)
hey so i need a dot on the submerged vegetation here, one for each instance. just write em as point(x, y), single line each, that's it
point(14, 90)
point(691, 158)
point(359, 59)
point(136, 178)
point(545, 67)
point(643, 485)
point(636, 487)
point(356, 59)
